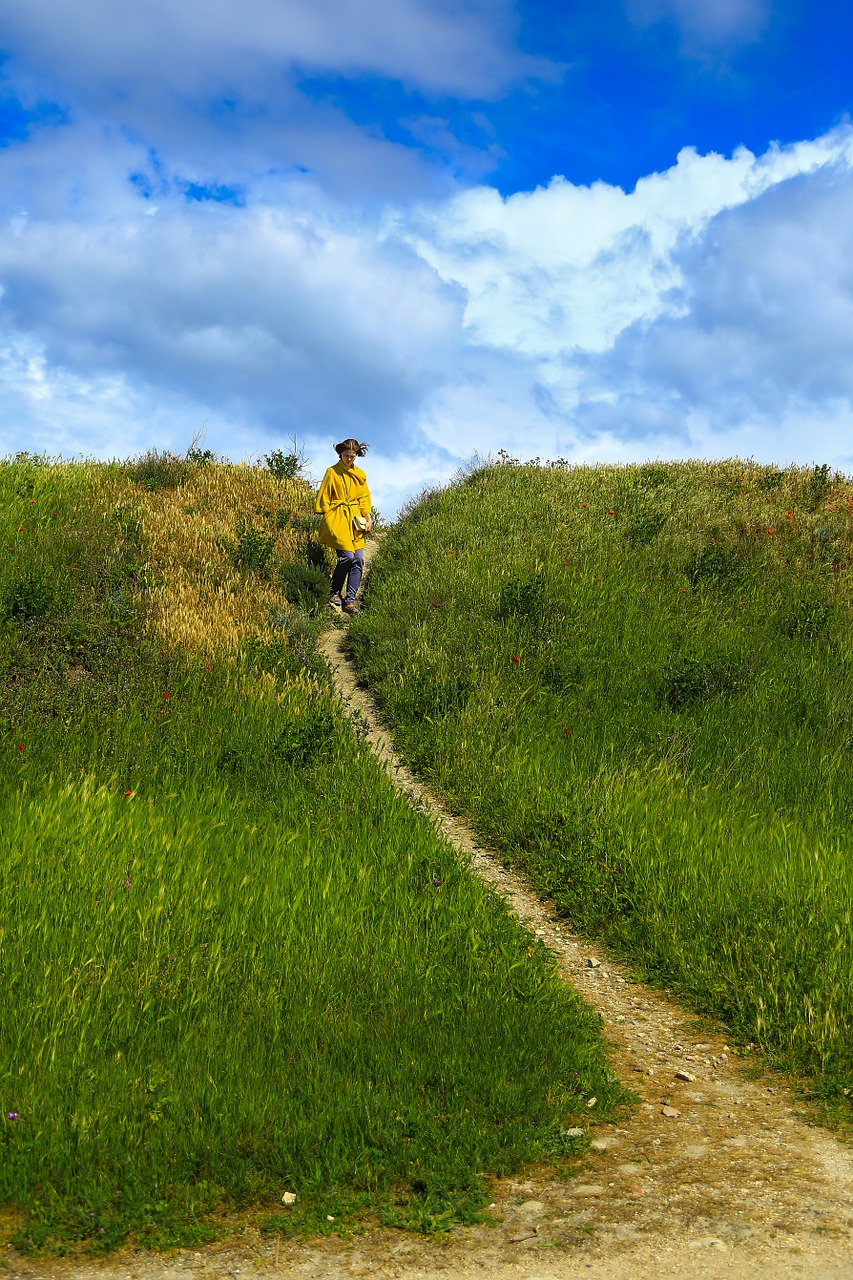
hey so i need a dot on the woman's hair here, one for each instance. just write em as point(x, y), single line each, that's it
point(360, 449)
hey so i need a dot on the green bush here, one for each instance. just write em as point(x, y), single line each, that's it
point(159, 470)
point(304, 585)
point(30, 597)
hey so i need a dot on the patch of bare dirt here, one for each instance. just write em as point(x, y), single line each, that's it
point(714, 1175)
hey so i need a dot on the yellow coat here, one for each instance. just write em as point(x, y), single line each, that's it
point(343, 494)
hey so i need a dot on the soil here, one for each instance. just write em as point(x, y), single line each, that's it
point(716, 1173)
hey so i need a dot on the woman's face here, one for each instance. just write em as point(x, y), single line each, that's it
point(348, 457)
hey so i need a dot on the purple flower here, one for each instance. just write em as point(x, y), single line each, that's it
point(436, 881)
point(12, 1115)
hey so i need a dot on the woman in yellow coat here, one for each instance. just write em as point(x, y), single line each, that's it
point(343, 495)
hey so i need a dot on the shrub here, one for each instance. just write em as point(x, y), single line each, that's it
point(283, 466)
point(154, 470)
point(29, 597)
point(252, 550)
point(304, 585)
point(699, 679)
point(644, 527)
point(714, 564)
point(522, 597)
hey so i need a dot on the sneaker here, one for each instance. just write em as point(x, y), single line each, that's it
point(349, 608)
point(335, 600)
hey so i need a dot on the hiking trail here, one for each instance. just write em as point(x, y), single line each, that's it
point(714, 1174)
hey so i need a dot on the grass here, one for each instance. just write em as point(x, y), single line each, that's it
point(235, 963)
point(636, 683)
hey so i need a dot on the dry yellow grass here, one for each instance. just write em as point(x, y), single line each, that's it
point(199, 602)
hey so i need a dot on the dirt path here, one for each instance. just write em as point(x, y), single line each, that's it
point(714, 1175)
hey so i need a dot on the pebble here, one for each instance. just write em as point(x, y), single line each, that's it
point(574, 1133)
point(707, 1242)
point(601, 1144)
point(672, 1113)
point(532, 1206)
point(592, 963)
point(589, 1189)
point(685, 1075)
point(288, 1198)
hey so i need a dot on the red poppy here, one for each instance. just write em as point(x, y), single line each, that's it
point(769, 530)
point(584, 504)
point(611, 512)
point(20, 746)
point(166, 697)
point(516, 658)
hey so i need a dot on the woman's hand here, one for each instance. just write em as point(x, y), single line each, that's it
point(369, 519)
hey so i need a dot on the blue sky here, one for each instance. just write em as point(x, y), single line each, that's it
point(600, 231)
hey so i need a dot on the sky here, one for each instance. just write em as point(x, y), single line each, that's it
point(600, 230)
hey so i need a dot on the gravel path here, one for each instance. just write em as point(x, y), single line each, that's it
point(714, 1175)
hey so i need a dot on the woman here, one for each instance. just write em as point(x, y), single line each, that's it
point(344, 494)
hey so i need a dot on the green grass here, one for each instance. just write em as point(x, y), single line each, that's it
point(234, 961)
point(637, 682)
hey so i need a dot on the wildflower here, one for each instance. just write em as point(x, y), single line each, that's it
point(567, 731)
point(788, 516)
point(452, 552)
point(12, 1115)
point(166, 696)
point(611, 512)
point(436, 881)
point(128, 793)
point(584, 504)
point(769, 530)
point(20, 746)
point(20, 528)
point(684, 590)
point(516, 658)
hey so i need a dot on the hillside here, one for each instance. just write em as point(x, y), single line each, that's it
point(235, 963)
point(636, 683)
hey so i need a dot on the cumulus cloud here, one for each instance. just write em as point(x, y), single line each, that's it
point(261, 311)
point(233, 92)
point(707, 312)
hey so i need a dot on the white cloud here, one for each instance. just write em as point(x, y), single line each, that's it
point(566, 268)
point(706, 22)
point(98, 49)
point(708, 312)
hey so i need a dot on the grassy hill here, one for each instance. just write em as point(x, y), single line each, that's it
point(234, 962)
point(637, 683)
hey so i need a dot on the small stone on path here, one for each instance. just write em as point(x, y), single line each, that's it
point(672, 1113)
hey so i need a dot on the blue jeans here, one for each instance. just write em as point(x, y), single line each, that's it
point(350, 564)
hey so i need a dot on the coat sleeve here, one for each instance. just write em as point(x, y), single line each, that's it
point(325, 496)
